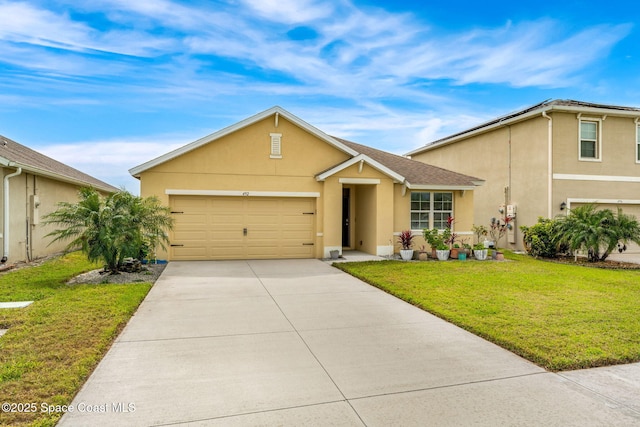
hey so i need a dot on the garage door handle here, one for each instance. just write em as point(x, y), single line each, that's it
point(177, 212)
point(173, 246)
point(307, 244)
point(244, 231)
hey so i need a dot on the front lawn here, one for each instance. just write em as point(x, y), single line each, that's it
point(53, 345)
point(558, 316)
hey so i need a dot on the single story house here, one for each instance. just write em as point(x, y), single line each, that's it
point(546, 159)
point(33, 185)
point(273, 186)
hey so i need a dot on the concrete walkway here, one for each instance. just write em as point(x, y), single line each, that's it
point(300, 343)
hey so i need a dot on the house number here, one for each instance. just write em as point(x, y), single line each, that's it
point(246, 193)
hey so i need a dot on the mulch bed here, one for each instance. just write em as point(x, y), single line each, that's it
point(607, 264)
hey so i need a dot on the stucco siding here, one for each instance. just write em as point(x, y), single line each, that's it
point(27, 231)
point(512, 158)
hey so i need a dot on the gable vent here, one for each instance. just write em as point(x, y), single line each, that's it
point(276, 145)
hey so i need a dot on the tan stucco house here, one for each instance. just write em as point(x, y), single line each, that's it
point(544, 160)
point(33, 185)
point(273, 186)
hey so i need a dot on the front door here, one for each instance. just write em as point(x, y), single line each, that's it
point(346, 202)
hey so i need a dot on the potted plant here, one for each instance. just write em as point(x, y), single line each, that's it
point(406, 241)
point(480, 252)
point(433, 238)
point(422, 253)
point(455, 250)
point(442, 251)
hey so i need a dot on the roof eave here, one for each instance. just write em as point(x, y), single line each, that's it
point(58, 177)
point(397, 178)
point(440, 187)
point(137, 170)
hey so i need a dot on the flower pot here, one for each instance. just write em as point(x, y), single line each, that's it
point(442, 255)
point(334, 254)
point(406, 254)
point(462, 256)
point(454, 253)
point(480, 254)
point(433, 253)
point(422, 256)
point(499, 256)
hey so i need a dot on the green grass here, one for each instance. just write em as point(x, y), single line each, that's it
point(54, 344)
point(558, 316)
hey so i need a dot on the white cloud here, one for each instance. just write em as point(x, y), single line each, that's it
point(110, 160)
point(291, 11)
point(159, 54)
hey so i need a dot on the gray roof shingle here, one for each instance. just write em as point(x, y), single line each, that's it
point(415, 172)
point(38, 163)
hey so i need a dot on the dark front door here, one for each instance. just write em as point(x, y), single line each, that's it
point(346, 199)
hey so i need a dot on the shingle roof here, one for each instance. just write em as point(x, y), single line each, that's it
point(39, 164)
point(415, 172)
point(548, 105)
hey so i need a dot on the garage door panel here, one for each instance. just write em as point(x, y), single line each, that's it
point(195, 253)
point(212, 227)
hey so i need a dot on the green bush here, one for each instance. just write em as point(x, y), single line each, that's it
point(539, 238)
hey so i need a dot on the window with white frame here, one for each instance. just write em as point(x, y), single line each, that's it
point(590, 139)
point(430, 209)
point(637, 142)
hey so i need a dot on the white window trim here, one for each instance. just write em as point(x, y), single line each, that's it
point(276, 145)
point(598, 121)
point(431, 204)
point(637, 122)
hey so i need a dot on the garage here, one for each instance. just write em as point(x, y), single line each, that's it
point(215, 228)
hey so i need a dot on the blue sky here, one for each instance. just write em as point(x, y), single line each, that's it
point(104, 85)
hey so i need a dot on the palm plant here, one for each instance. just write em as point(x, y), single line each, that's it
point(597, 232)
point(110, 228)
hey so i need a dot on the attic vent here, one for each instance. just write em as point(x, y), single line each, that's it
point(276, 145)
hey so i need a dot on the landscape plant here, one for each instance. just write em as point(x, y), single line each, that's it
point(596, 232)
point(406, 239)
point(111, 228)
point(540, 239)
point(498, 227)
point(480, 231)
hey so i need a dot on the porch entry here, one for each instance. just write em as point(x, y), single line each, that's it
point(359, 217)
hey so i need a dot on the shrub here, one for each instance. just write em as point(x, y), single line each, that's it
point(539, 239)
point(111, 228)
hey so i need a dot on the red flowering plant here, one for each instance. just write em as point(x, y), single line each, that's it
point(449, 236)
point(498, 228)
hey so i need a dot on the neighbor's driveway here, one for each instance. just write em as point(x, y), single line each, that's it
point(301, 343)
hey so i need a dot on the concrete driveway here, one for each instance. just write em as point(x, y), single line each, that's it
point(300, 343)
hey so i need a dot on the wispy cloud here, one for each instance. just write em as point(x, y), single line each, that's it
point(383, 71)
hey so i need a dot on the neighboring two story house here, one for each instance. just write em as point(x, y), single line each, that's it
point(546, 159)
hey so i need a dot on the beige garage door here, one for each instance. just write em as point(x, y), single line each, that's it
point(210, 228)
point(632, 248)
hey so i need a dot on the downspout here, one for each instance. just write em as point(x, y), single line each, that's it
point(550, 165)
point(5, 231)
